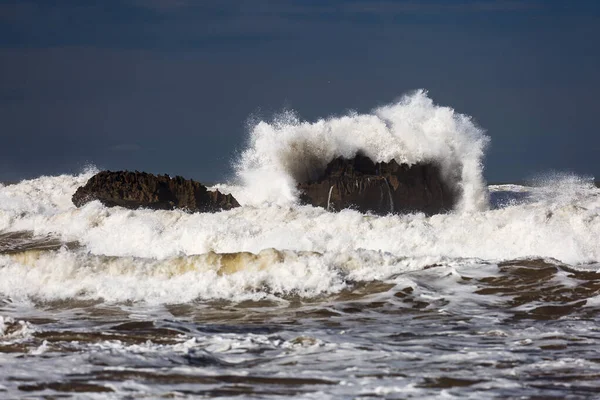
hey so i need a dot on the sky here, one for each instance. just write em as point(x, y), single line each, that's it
point(169, 86)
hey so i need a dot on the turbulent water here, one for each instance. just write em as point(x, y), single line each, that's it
point(498, 299)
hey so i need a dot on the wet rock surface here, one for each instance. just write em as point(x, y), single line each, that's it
point(379, 188)
point(158, 192)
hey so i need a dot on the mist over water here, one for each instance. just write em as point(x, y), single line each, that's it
point(498, 298)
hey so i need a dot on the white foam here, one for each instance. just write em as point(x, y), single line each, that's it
point(557, 218)
point(3, 324)
point(287, 150)
point(558, 221)
point(64, 274)
point(11, 330)
point(43, 196)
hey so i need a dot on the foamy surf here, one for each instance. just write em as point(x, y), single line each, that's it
point(276, 274)
point(275, 299)
point(529, 222)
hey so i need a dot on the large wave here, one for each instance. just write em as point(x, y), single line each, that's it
point(286, 151)
point(527, 221)
point(281, 248)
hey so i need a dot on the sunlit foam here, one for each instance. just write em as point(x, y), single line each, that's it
point(287, 150)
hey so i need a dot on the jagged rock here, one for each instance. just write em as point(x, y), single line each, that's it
point(379, 188)
point(159, 192)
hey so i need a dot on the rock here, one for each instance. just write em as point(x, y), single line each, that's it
point(379, 188)
point(158, 192)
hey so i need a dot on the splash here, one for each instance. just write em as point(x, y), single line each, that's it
point(287, 150)
point(562, 187)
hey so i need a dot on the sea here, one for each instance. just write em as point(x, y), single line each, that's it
point(497, 299)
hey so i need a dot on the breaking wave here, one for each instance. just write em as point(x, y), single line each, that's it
point(287, 150)
point(271, 245)
point(61, 274)
point(278, 299)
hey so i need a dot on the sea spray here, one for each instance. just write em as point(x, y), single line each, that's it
point(287, 150)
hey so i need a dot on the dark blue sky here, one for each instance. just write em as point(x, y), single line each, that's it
point(167, 86)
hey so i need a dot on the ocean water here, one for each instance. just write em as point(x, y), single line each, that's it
point(497, 299)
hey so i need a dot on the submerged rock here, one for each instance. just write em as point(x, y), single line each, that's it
point(159, 192)
point(379, 188)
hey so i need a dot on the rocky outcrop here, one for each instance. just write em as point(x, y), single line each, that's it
point(158, 192)
point(379, 188)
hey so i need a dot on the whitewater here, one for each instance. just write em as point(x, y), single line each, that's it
point(498, 298)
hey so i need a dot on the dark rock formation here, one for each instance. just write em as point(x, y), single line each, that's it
point(379, 188)
point(141, 190)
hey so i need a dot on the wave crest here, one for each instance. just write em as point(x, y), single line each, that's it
point(287, 150)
